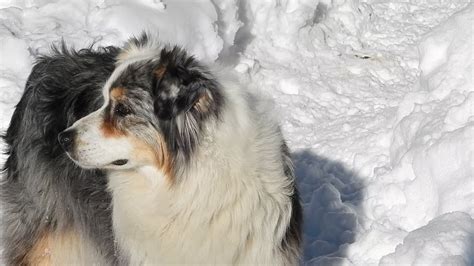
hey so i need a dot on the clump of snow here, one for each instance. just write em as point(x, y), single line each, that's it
point(375, 98)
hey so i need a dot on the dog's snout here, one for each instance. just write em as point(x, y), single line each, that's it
point(66, 139)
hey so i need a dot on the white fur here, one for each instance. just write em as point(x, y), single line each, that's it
point(93, 149)
point(146, 51)
point(71, 249)
point(232, 206)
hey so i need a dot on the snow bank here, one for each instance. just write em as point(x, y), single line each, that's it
point(431, 154)
point(445, 240)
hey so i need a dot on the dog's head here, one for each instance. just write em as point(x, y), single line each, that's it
point(155, 110)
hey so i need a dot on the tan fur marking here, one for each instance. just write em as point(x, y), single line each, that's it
point(164, 160)
point(52, 248)
point(160, 71)
point(158, 155)
point(40, 253)
point(202, 105)
point(117, 93)
point(110, 131)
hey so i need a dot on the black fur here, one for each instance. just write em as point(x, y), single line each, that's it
point(43, 190)
point(293, 236)
point(193, 82)
point(185, 73)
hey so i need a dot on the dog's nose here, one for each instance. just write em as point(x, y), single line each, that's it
point(66, 139)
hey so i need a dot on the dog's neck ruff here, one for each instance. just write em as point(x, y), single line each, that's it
point(229, 206)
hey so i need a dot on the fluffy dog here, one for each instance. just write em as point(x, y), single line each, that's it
point(198, 170)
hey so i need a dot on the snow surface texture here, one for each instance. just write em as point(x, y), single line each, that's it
point(375, 97)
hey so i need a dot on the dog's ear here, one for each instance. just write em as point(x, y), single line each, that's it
point(181, 85)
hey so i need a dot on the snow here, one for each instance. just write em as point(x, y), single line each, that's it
point(375, 97)
point(437, 243)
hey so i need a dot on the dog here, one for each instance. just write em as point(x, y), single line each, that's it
point(193, 165)
point(54, 212)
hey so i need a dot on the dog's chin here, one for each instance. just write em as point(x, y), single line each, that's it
point(115, 164)
point(120, 164)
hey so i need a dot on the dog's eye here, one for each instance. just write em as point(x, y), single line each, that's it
point(122, 110)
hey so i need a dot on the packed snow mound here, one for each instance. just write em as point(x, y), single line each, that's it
point(442, 241)
point(375, 99)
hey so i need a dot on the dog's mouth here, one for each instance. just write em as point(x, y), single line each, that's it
point(120, 162)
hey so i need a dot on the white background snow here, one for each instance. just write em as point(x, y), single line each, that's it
point(375, 99)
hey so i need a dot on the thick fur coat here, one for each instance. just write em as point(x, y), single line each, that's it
point(54, 211)
point(198, 171)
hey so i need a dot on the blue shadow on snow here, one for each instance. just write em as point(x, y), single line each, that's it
point(332, 196)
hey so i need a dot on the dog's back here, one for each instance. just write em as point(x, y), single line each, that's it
point(48, 202)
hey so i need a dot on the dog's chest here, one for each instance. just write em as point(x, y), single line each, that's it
point(179, 247)
point(156, 238)
point(150, 233)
